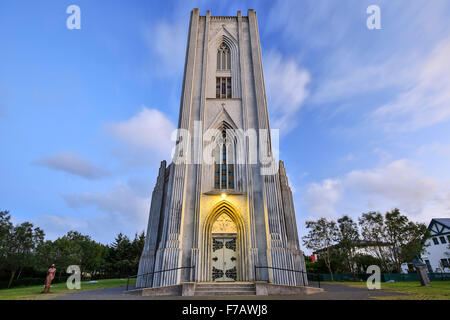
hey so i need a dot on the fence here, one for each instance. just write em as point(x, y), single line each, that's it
point(146, 275)
point(384, 276)
point(290, 271)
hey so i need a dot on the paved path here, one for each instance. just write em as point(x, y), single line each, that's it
point(332, 292)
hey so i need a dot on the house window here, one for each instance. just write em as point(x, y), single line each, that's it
point(429, 266)
point(443, 240)
point(435, 240)
point(223, 57)
point(223, 87)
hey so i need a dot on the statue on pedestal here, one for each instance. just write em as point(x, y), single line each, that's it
point(50, 276)
point(421, 269)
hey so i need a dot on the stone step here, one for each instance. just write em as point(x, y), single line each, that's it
point(225, 288)
point(205, 289)
point(221, 285)
point(225, 293)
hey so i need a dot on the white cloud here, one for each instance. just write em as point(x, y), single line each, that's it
point(123, 208)
point(72, 163)
point(321, 198)
point(57, 225)
point(148, 131)
point(350, 79)
point(286, 84)
point(101, 227)
point(399, 181)
point(167, 40)
point(399, 184)
point(426, 101)
point(121, 200)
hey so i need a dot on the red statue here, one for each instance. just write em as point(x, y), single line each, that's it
point(50, 276)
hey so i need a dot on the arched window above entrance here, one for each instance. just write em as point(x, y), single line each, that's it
point(224, 160)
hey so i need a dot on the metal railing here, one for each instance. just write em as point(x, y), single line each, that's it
point(153, 276)
point(303, 273)
point(315, 277)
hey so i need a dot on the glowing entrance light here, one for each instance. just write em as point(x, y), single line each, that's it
point(224, 195)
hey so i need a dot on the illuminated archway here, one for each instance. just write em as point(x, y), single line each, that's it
point(224, 210)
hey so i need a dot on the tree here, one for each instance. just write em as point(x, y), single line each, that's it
point(396, 238)
point(348, 237)
point(5, 229)
point(374, 233)
point(413, 241)
point(322, 234)
point(120, 255)
point(363, 261)
point(395, 227)
point(19, 247)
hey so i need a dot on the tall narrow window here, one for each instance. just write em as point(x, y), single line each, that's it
point(223, 57)
point(223, 166)
point(223, 87)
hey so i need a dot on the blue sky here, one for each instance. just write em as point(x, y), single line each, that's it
point(86, 115)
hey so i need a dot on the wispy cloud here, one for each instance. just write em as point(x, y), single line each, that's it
point(426, 100)
point(167, 41)
point(399, 184)
point(286, 84)
point(72, 163)
point(321, 198)
point(124, 207)
point(121, 199)
point(147, 133)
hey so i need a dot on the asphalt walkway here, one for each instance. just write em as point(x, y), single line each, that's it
point(331, 292)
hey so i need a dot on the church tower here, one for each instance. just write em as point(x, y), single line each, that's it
point(223, 209)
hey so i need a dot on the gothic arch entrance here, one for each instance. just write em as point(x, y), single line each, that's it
point(224, 253)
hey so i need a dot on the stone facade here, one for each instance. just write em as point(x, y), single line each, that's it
point(187, 201)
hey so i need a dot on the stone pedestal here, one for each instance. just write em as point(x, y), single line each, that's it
point(422, 274)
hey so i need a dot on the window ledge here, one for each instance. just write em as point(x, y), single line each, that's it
point(220, 191)
point(224, 99)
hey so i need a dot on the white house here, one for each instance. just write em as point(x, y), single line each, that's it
point(437, 255)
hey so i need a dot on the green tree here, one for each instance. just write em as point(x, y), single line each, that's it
point(348, 237)
point(395, 237)
point(363, 261)
point(121, 255)
point(413, 241)
point(395, 227)
point(73, 248)
point(374, 233)
point(19, 247)
point(6, 227)
point(322, 234)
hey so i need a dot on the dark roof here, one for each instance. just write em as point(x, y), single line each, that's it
point(443, 221)
point(357, 244)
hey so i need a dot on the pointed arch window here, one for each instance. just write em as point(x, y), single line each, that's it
point(224, 165)
point(223, 57)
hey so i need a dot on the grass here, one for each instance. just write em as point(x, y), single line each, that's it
point(439, 290)
point(58, 289)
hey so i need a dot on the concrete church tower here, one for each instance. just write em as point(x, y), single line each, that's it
point(228, 219)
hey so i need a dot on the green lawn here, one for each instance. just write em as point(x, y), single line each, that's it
point(57, 289)
point(439, 290)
